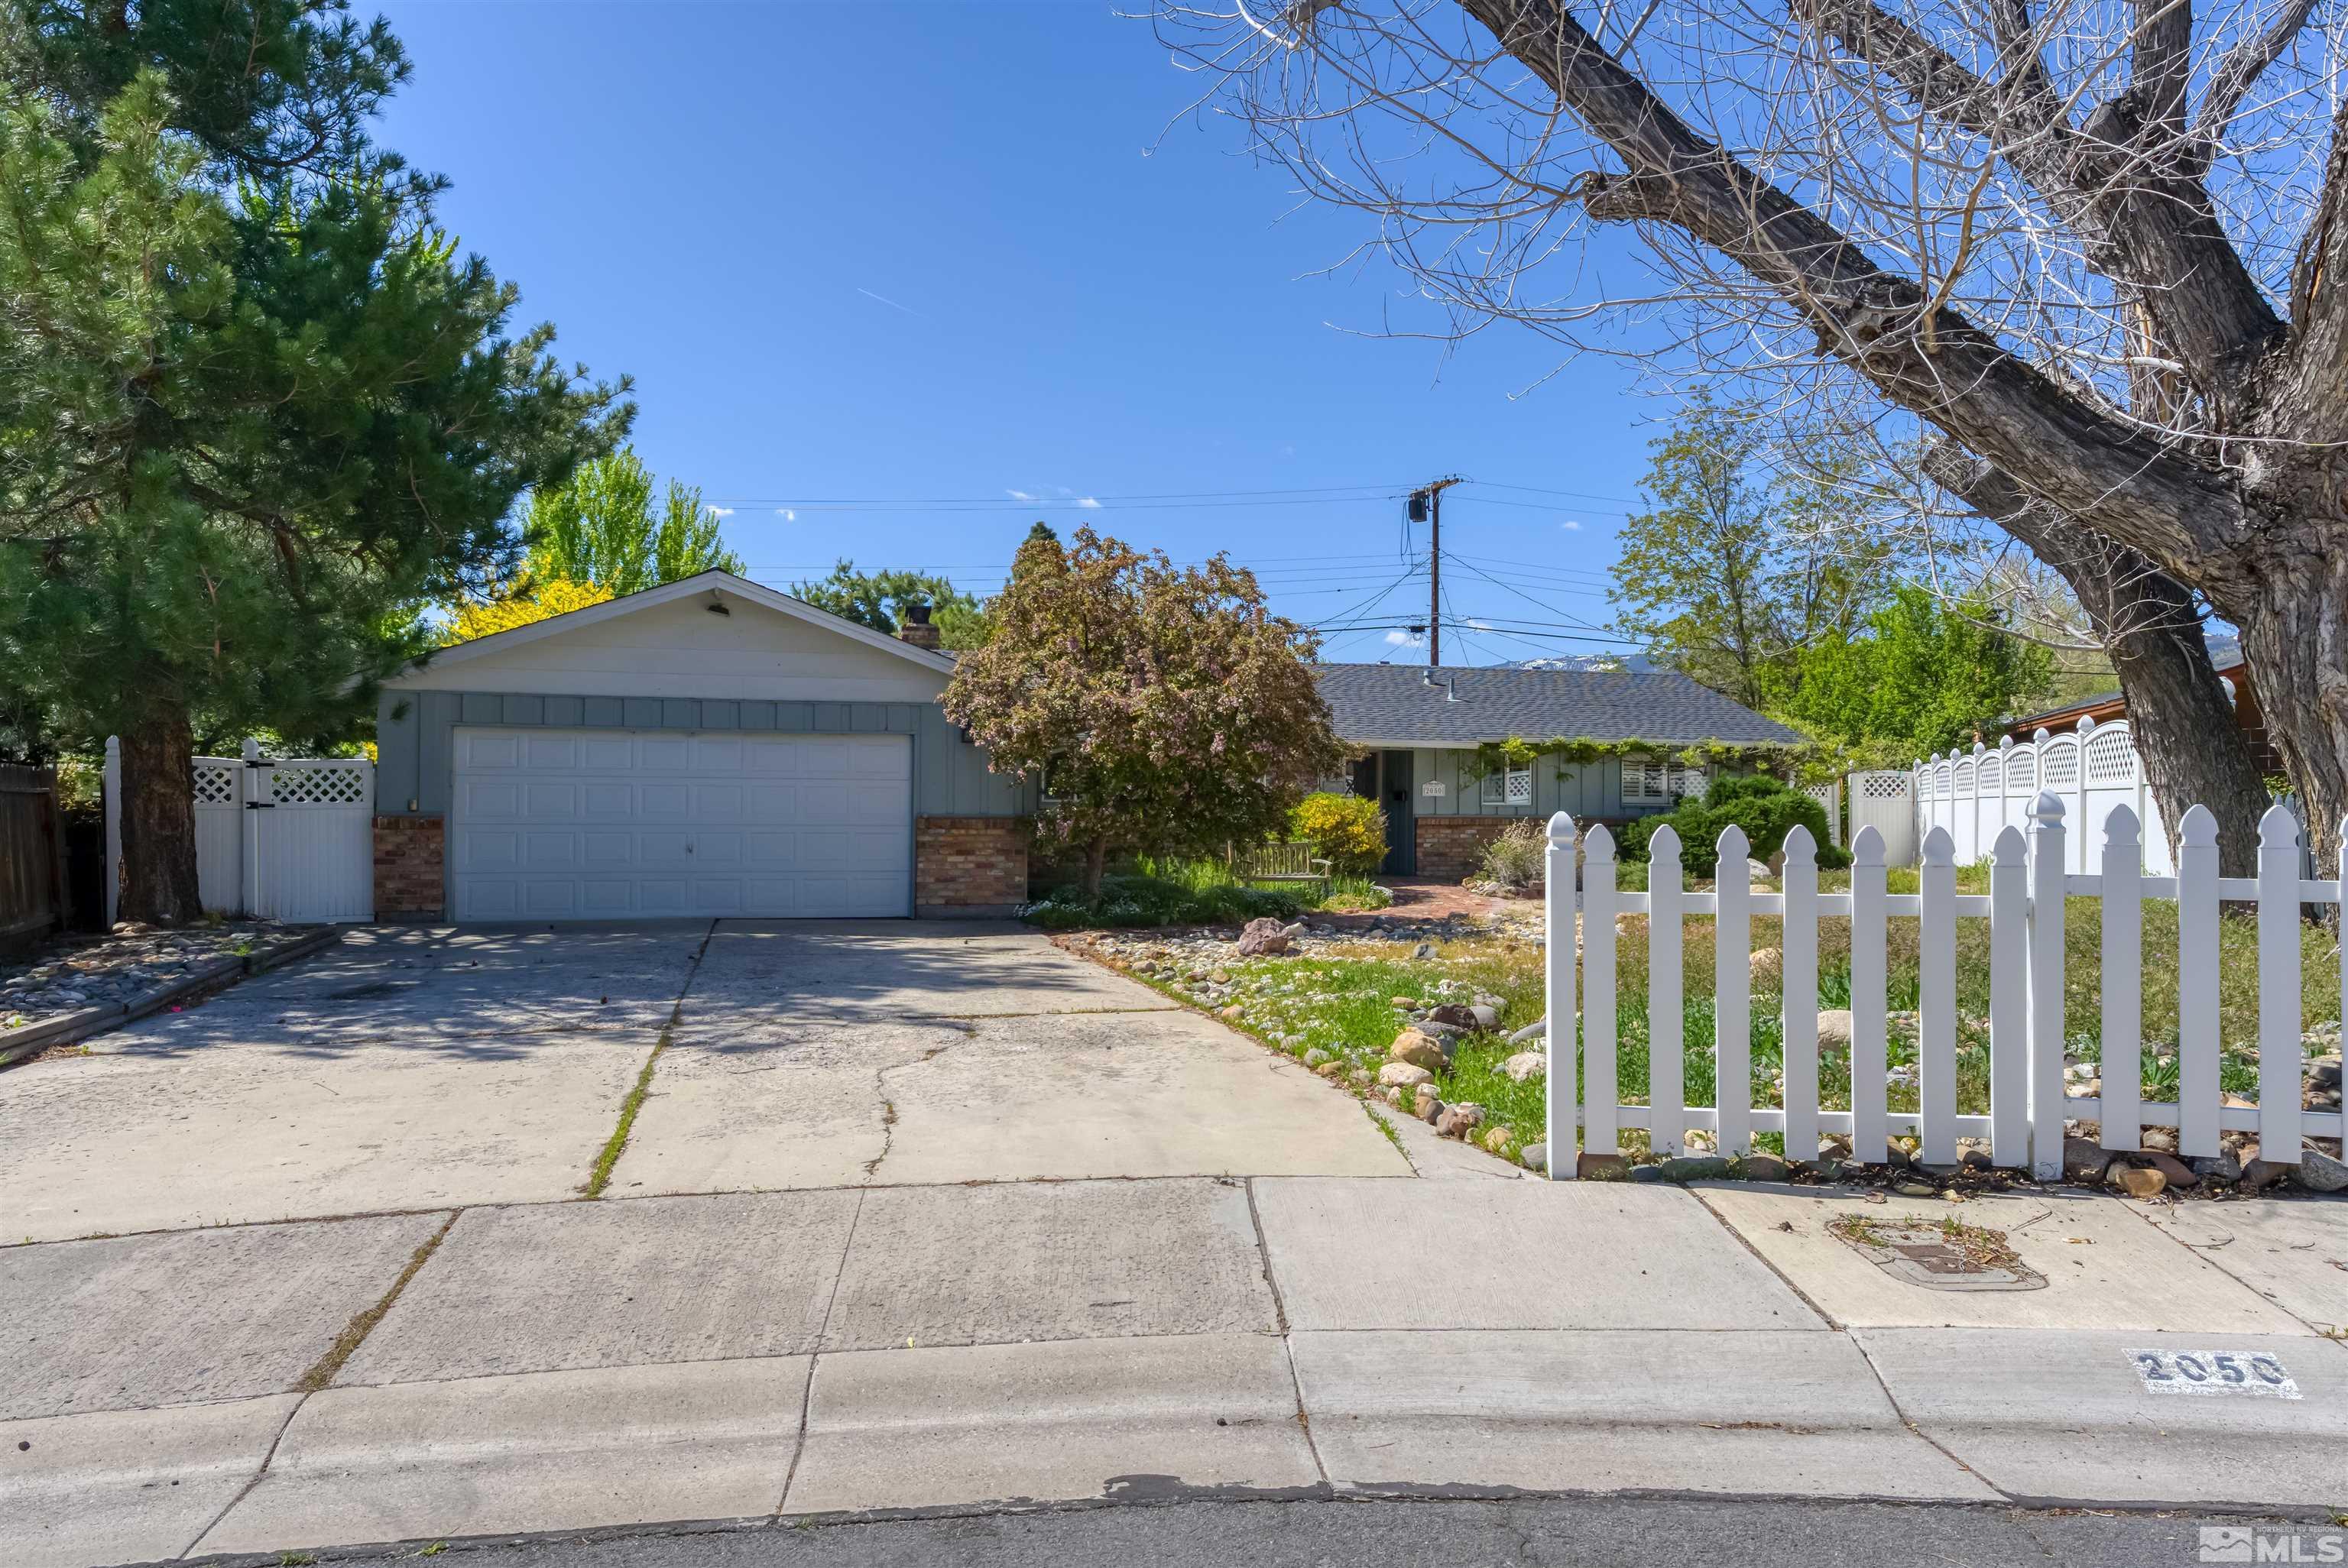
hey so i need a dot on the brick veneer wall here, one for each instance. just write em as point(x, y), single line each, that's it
point(1449, 847)
point(410, 882)
point(969, 865)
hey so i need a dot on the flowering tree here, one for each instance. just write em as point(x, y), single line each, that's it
point(1166, 711)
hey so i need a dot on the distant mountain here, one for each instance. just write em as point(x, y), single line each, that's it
point(2225, 648)
point(1610, 663)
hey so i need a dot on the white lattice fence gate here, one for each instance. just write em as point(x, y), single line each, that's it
point(2027, 1100)
point(283, 838)
point(1885, 801)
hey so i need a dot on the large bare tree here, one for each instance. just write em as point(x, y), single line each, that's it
point(2095, 248)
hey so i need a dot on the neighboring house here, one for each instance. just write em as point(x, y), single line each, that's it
point(1415, 732)
point(708, 747)
point(2106, 706)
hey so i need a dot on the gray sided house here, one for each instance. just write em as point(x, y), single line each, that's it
point(1415, 732)
point(708, 747)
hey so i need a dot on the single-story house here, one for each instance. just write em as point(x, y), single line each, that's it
point(711, 747)
point(2105, 706)
point(1415, 732)
point(706, 747)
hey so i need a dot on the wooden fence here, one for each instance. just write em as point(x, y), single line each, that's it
point(32, 854)
point(2029, 880)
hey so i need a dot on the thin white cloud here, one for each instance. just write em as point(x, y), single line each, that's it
point(1088, 503)
point(721, 511)
point(1401, 640)
point(887, 301)
point(1021, 496)
point(1479, 626)
point(1569, 525)
point(787, 514)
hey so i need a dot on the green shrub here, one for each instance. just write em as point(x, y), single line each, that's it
point(1349, 831)
point(1518, 856)
point(1138, 901)
point(1764, 807)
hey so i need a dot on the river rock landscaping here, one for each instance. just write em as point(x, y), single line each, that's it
point(76, 971)
point(1416, 1016)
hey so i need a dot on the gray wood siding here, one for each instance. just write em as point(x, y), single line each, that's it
point(414, 740)
point(1588, 791)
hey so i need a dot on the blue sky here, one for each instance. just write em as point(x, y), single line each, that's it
point(966, 252)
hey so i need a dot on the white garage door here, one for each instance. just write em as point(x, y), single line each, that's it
point(589, 825)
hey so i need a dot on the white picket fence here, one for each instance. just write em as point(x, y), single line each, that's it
point(280, 838)
point(2030, 876)
point(1977, 796)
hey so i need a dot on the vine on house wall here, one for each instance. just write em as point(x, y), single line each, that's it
point(1807, 761)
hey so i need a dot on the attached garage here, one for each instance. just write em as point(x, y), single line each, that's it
point(709, 748)
point(600, 825)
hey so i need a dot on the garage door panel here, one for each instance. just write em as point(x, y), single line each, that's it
point(717, 803)
point(557, 852)
point(492, 799)
point(608, 801)
point(488, 850)
point(614, 825)
point(607, 851)
point(478, 752)
point(553, 802)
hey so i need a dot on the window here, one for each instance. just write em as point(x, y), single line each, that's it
point(1648, 782)
point(1513, 787)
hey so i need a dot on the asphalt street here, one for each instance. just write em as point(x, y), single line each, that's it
point(1579, 1532)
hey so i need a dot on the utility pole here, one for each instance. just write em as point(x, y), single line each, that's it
point(1426, 506)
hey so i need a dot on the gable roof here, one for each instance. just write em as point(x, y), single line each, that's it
point(1393, 706)
point(718, 585)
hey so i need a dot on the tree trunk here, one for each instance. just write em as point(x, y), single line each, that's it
point(2192, 750)
point(158, 821)
point(2295, 641)
point(1096, 863)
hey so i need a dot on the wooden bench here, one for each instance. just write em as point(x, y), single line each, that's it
point(1282, 862)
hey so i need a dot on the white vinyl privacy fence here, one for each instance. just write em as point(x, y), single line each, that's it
point(2030, 876)
point(1976, 796)
point(277, 838)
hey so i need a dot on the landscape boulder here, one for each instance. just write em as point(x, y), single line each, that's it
point(1403, 1075)
point(2085, 1162)
point(1264, 938)
point(1453, 1014)
point(1834, 1028)
point(1525, 1064)
point(1766, 967)
point(2319, 1173)
point(1419, 1050)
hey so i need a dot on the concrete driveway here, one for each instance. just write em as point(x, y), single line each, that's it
point(412, 1069)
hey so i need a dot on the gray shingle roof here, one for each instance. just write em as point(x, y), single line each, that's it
point(1392, 704)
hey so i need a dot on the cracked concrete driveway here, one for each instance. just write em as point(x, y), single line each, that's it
point(414, 1070)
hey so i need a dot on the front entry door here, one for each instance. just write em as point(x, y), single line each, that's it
point(1397, 796)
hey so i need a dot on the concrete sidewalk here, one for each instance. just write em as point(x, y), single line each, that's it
point(949, 1220)
point(572, 1365)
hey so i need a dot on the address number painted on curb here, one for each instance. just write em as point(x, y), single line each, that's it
point(2251, 1372)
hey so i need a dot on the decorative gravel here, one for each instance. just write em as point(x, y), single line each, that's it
point(79, 971)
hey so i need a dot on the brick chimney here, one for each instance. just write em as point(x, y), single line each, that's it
point(917, 629)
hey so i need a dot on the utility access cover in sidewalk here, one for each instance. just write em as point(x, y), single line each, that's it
point(1938, 1255)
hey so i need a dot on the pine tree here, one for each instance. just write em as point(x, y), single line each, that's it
point(257, 408)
